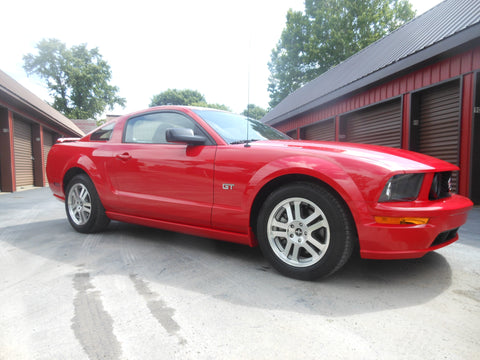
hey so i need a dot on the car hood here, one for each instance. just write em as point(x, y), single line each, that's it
point(391, 159)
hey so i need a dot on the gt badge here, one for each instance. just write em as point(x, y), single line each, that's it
point(227, 186)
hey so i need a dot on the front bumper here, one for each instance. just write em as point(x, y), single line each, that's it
point(383, 241)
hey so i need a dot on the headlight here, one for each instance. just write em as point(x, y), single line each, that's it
point(402, 187)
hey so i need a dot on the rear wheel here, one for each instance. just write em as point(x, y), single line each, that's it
point(305, 231)
point(84, 210)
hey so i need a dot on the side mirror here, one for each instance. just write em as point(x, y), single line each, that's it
point(183, 135)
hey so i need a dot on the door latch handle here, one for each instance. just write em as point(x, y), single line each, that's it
point(124, 156)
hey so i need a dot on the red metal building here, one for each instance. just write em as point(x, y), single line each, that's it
point(28, 129)
point(418, 88)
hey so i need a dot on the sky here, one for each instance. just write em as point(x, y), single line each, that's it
point(220, 48)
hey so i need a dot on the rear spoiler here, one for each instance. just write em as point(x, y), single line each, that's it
point(63, 140)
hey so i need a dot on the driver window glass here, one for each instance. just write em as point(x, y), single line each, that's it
point(151, 128)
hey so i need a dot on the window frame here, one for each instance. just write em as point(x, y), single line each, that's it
point(201, 130)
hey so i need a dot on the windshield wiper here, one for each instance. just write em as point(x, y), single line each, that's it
point(243, 141)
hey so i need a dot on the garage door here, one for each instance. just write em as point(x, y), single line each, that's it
point(22, 145)
point(292, 134)
point(47, 145)
point(321, 131)
point(379, 125)
point(439, 124)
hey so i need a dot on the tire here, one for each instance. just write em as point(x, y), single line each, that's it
point(84, 210)
point(305, 231)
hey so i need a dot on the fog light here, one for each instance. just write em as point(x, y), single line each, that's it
point(401, 220)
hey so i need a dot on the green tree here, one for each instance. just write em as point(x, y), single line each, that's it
point(177, 97)
point(325, 34)
point(212, 106)
point(77, 78)
point(184, 97)
point(254, 112)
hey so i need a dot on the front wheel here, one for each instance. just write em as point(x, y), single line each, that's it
point(305, 231)
point(84, 210)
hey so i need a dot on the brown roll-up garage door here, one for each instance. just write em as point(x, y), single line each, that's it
point(47, 145)
point(379, 125)
point(321, 131)
point(439, 123)
point(22, 145)
point(292, 134)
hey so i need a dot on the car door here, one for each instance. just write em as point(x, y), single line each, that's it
point(155, 179)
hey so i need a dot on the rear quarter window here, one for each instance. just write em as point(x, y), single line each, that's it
point(104, 133)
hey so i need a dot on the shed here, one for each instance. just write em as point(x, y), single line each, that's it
point(28, 129)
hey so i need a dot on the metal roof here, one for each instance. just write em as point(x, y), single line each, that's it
point(21, 99)
point(448, 25)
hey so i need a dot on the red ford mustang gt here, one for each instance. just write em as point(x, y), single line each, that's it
point(215, 174)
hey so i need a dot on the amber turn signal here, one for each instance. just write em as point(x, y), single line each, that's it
point(401, 220)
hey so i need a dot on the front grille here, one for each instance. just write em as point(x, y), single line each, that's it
point(441, 185)
point(444, 237)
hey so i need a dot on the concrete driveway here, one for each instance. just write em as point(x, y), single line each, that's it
point(141, 293)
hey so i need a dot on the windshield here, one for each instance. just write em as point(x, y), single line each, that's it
point(233, 128)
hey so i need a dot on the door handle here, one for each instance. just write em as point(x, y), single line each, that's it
point(125, 156)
